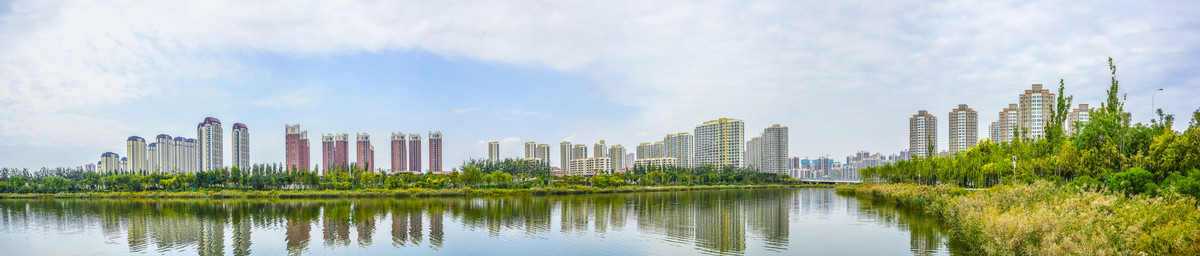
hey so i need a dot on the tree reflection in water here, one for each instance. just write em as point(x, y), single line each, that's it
point(714, 222)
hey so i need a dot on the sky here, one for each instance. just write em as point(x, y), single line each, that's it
point(79, 77)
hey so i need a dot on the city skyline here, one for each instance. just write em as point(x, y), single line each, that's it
point(607, 76)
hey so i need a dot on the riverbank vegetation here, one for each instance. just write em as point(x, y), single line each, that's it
point(1105, 187)
point(1107, 151)
point(1043, 218)
point(473, 178)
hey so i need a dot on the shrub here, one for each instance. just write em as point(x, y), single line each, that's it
point(1132, 182)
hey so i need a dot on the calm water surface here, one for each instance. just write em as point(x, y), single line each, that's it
point(722, 222)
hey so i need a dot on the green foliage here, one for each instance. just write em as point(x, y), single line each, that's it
point(1107, 151)
point(1132, 182)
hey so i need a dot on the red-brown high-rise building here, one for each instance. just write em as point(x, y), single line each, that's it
point(296, 148)
point(435, 152)
point(366, 152)
point(414, 153)
point(399, 154)
point(343, 149)
point(335, 150)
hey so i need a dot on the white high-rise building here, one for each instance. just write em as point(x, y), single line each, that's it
point(720, 142)
point(564, 156)
point(1078, 118)
point(754, 148)
point(241, 147)
point(135, 150)
point(209, 137)
point(152, 157)
point(679, 146)
point(774, 149)
point(922, 134)
point(110, 161)
point(163, 157)
point(494, 151)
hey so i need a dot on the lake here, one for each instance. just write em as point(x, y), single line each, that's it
point(811, 221)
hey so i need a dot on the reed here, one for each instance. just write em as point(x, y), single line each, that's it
point(1047, 219)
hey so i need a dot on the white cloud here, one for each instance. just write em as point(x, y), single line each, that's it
point(843, 74)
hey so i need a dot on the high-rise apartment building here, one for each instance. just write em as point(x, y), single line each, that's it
point(399, 152)
point(494, 151)
point(629, 159)
point(179, 155)
point(1008, 123)
point(679, 146)
point(543, 152)
point(109, 161)
point(720, 142)
point(135, 150)
point(657, 149)
point(365, 152)
point(964, 128)
point(617, 154)
point(296, 148)
point(643, 150)
point(774, 149)
point(922, 134)
point(342, 149)
point(152, 157)
point(600, 150)
point(414, 153)
point(531, 150)
point(564, 156)
point(1035, 110)
point(1077, 118)
point(241, 146)
point(435, 152)
point(165, 149)
point(754, 148)
point(210, 144)
point(579, 151)
point(335, 150)
point(328, 150)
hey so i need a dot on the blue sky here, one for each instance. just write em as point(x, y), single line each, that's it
point(77, 78)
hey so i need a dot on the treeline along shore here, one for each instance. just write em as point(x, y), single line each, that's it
point(474, 178)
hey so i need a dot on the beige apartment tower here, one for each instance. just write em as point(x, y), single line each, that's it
point(494, 151)
point(1035, 111)
point(964, 128)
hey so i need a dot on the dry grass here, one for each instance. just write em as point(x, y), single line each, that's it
point(1046, 219)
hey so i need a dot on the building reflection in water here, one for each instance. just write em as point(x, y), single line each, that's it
point(716, 221)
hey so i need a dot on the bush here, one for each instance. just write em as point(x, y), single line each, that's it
point(1132, 182)
point(1188, 185)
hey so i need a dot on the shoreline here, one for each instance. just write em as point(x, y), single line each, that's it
point(1047, 219)
point(389, 193)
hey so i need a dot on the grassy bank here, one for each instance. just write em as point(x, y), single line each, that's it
point(401, 193)
point(1047, 219)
